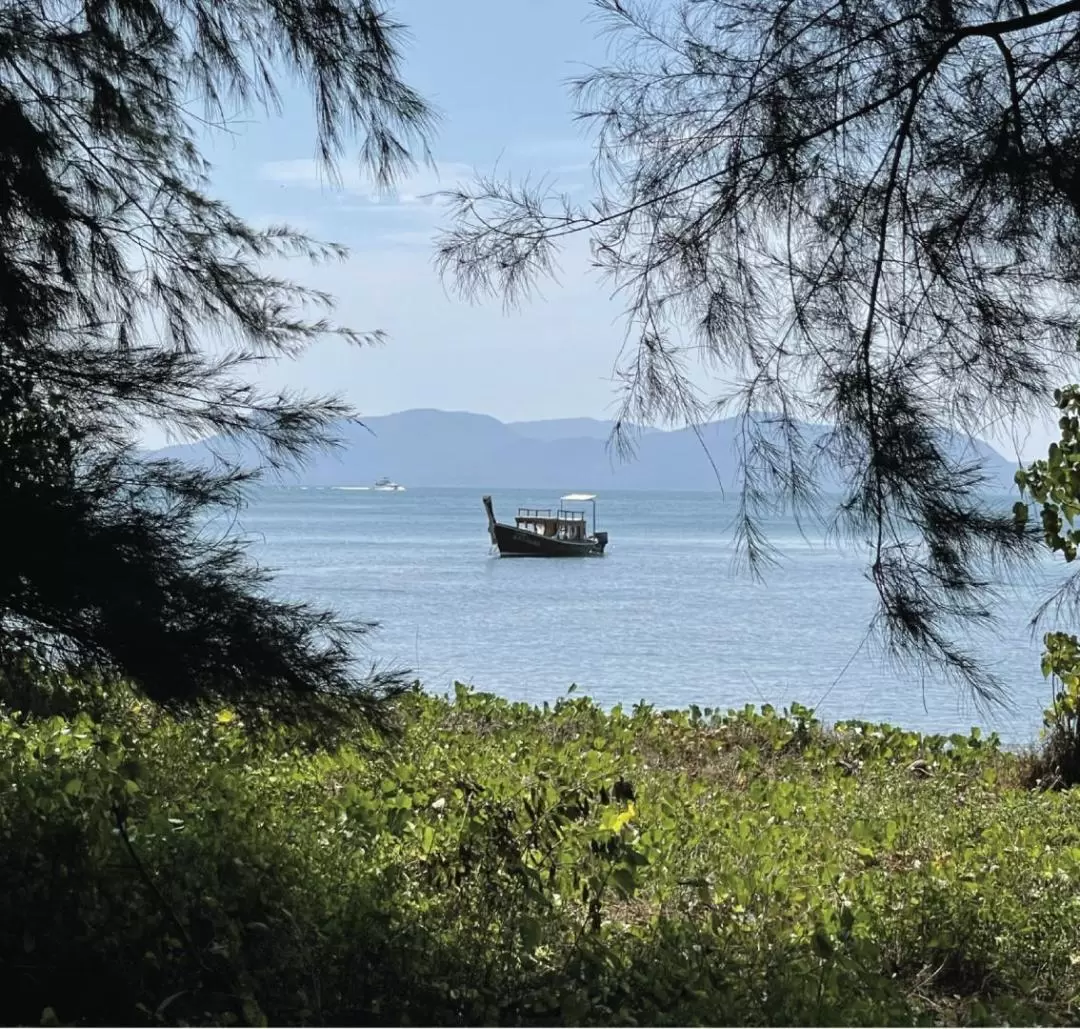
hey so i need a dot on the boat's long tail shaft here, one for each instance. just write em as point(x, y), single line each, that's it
point(491, 519)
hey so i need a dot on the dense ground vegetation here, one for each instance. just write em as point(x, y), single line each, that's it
point(495, 862)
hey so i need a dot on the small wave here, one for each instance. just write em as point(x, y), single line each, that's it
point(351, 489)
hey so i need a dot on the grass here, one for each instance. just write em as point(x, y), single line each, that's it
point(500, 863)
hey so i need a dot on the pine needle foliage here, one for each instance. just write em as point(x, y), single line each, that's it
point(862, 214)
point(130, 295)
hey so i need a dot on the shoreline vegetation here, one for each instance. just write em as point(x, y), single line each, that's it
point(494, 862)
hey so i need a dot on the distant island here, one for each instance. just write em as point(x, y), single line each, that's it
point(456, 448)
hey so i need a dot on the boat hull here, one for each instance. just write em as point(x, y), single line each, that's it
point(515, 542)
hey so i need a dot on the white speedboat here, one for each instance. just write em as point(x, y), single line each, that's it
point(384, 485)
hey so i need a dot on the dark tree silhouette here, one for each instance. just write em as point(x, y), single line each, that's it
point(865, 213)
point(130, 295)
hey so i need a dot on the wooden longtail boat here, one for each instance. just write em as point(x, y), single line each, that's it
point(540, 532)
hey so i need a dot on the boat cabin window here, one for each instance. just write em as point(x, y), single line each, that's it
point(566, 525)
point(571, 529)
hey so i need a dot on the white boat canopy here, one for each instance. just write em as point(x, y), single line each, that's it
point(579, 496)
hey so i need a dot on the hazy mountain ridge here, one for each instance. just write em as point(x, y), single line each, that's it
point(570, 428)
point(456, 448)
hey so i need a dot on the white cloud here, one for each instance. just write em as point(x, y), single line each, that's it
point(581, 148)
point(412, 239)
point(414, 190)
point(301, 223)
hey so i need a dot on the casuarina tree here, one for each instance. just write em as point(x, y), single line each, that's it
point(865, 214)
point(131, 296)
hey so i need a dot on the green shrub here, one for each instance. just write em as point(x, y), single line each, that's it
point(500, 863)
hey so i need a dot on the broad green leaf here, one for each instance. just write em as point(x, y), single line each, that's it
point(623, 878)
point(532, 932)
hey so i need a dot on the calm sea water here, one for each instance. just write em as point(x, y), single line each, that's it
point(663, 617)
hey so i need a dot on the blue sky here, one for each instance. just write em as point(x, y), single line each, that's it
point(497, 71)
